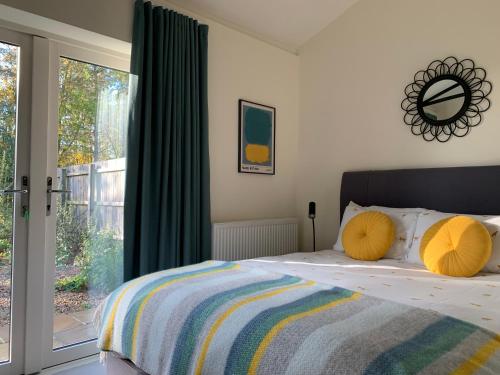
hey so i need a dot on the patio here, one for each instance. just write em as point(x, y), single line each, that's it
point(73, 312)
point(69, 329)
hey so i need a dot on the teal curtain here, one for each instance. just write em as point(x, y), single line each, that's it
point(167, 196)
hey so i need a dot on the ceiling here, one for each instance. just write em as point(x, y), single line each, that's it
point(285, 23)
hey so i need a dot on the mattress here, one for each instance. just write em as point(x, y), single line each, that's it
point(475, 300)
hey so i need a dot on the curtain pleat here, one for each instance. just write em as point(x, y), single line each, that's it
point(167, 197)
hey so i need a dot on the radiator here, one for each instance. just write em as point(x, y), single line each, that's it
point(252, 239)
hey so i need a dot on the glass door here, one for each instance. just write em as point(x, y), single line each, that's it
point(15, 94)
point(85, 195)
point(63, 125)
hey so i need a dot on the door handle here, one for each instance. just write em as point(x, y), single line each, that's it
point(14, 191)
point(24, 191)
point(49, 194)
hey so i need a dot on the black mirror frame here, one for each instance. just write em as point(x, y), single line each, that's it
point(476, 89)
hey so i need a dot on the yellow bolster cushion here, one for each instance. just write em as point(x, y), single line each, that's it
point(368, 236)
point(457, 246)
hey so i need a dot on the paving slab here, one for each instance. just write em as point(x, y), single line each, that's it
point(85, 316)
point(4, 352)
point(4, 334)
point(63, 322)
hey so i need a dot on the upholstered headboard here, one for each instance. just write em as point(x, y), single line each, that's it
point(474, 190)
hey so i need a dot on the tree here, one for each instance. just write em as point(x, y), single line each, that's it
point(92, 120)
point(8, 107)
point(83, 88)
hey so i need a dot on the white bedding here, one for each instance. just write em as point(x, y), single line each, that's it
point(476, 299)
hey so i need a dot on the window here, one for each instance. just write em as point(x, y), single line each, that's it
point(93, 116)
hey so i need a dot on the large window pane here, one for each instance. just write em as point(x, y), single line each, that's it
point(9, 64)
point(93, 102)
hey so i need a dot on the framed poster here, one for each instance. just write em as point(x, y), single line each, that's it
point(257, 131)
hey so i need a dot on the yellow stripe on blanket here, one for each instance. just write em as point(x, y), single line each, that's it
point(254, 365)
point(479, 358)
point(232, 309)
point(108, 332)
point(156, 290)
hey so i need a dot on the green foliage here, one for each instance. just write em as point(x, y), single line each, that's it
point(101, 262)
point(71, 234)
point(97, 254)
point(77, 283)
point(5, 245)
point(8, 92)
point(6, 210)
point(5, 257)
point(88, 93)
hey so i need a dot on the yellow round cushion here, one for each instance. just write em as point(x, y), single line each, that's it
point(368, 236)
point(457, 246)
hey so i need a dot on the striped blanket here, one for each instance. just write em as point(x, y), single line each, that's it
point(224, 318)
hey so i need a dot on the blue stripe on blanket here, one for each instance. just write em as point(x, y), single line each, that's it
point(130, 318)
point(421, 350)
point(186, 340)
point(250, 337)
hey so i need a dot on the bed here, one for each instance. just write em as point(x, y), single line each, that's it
point(437, 324)
point(475, 300)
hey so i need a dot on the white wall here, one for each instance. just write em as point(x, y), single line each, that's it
point(243, 67)
point(239, 67)
point(352, 77)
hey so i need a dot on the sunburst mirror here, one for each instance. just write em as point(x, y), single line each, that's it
point(446, 99)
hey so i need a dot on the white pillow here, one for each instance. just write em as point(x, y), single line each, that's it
point(351, 210)
point(405, 223)
point(492, 223)
point(398, 210)
point(428, 218)
point(425, 221)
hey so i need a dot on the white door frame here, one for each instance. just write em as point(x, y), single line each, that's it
point(20, 230)
point(36, 284)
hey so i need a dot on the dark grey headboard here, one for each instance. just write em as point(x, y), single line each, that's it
point(474, 190)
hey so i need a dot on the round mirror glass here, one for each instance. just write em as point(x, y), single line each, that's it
point(443, 100)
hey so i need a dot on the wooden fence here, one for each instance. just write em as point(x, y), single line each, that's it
point(97, 193)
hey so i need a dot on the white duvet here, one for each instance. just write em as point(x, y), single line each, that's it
point(476, 299)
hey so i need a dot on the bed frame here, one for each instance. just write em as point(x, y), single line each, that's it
point(471, 190)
